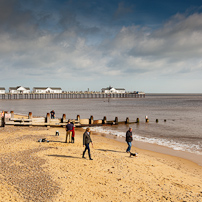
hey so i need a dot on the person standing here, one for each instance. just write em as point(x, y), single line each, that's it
point(52, 114)
point(86, 141)
point(129, 139)
point(69, 129)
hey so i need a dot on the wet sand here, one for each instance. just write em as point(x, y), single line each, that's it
point(196, 158)
point(55, 171)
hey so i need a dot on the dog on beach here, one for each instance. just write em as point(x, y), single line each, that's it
point(133, 154)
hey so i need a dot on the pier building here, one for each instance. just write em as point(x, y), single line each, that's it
point(2, 90)
point(47, 90)
point(111, 89)
point(19, 89)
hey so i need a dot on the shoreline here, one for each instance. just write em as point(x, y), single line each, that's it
point(148, 146)
point(195, 158)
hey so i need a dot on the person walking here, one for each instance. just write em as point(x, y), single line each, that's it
point(86, 141)
point(129, 139)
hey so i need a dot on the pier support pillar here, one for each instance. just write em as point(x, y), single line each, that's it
point(138, 120)
point(146, 119)
point(157, 120)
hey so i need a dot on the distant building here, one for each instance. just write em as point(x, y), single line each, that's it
point(2, 90)
point(113, 90)
point(46, 90)
point(19, 89)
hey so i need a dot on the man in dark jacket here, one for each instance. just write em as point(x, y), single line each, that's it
point(69, 129)
point(86, 141)
point(129, 139)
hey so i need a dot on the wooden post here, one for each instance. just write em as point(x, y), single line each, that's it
point(12, 114)
point(91, 120)
point(116, 121)
point(63, 118)
point(3, 121)
point(30, 115)
point(104, 121)
point(157, 120)
point(78, 118)
point(138, 120)
point(48, 118)
point(146, 119)
point(127, 120)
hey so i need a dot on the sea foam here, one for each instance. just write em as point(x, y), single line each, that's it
point(178, 146)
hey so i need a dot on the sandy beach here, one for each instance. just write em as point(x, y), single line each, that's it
point(56, 171)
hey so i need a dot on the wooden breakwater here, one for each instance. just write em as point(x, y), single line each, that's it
point(88, 95)
point(9, 120)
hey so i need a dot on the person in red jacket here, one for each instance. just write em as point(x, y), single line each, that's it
point(73, 133)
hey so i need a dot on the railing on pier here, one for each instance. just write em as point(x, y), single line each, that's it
point(9, 96)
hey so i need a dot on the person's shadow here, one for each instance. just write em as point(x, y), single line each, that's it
point(109, 150)
point(64, 156)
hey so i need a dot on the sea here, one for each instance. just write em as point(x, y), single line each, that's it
point(178, 130)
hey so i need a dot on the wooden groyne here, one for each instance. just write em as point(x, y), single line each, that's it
point(9, 96)
point(9, 120)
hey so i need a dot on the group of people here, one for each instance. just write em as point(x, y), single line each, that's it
point(70, 132)
point(87, 139)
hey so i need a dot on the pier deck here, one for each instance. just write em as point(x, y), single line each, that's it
point(9, 96)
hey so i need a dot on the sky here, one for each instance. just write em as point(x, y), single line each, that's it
point(154, 46)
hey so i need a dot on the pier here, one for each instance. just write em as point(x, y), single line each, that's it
point(88, 95)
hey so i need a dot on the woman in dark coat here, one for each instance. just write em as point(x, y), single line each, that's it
point(86, 141)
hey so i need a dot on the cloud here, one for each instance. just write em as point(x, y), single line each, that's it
point(177, 45)
point(57, 44)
